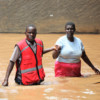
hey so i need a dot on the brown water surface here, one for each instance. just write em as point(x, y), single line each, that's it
point(68, 88)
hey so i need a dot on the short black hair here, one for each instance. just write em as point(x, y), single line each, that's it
point(31, 25)
point(70, 23)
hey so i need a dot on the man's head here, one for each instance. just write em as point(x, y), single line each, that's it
point(31, 32)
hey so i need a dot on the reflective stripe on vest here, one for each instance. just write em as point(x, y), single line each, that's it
point(39, 44)
point(30, 69)
point(28, 46)
point(24, 49)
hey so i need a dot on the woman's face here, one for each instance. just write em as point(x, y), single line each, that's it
point(70, 30)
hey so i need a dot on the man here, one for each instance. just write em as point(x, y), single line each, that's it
point(28, 58)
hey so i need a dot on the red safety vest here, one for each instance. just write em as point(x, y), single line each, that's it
point(31, 63)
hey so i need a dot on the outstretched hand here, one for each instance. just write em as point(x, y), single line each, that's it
point(56, 52)
point(57, 47)
point(96, 70)
point(5, 83)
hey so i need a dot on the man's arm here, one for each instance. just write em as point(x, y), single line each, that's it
point(87, 61)
point(9, 69)
point(14, 57)
point(48, 50)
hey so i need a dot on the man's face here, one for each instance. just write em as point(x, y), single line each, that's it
point(31, 33)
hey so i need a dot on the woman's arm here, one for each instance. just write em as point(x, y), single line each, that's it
point(87, 61)
point(56, 52)
point(9, 69)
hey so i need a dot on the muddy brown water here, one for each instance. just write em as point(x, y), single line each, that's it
point(68, 88)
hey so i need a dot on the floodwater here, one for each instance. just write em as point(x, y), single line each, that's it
point(68, 88)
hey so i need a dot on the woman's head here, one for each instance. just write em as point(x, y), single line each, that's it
point(70, 23)
point(70, 29)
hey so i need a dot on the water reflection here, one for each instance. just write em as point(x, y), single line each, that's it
point(87, 91)
point(3, 98)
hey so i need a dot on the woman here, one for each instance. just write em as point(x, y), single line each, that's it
point(69, 50)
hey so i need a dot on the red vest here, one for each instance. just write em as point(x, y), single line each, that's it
point(31, 63)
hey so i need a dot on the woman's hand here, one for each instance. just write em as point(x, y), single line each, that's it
point(96, 70)
point(57, 47)
point(5, 83)
point(86, 60)
point(56, 51)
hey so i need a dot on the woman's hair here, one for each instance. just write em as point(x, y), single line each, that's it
point(70, 23)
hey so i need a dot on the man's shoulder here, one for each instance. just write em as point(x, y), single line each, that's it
point(21, 41)
point(38, 40)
